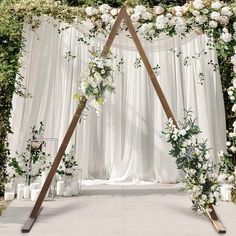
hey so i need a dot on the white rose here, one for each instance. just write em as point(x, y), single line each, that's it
point(198, 4)
point(215, 15)
point(169, 15)
point(228, 143)
point(224, 20)
point(231, 178)
point(233, 149)
point(226, 37)
point(182, 132)
point(213, 24)
point(226, 11)
point(201, 19)
point(114, 12)
point(147, 16)
point(234, 83)
point(159, 10)
point(233, 59)
point(230, 93)
point(135, 17)
point(216, 5)
point(196, 13)
point(178, 11)
point(90, 11)
point(234, 108)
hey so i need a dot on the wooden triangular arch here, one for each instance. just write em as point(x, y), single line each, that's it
point(122, 16)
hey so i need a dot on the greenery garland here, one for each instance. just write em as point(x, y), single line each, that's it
point(204, 16)
point(192, 157)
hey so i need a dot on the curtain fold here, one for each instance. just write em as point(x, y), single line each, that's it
point(125, 142)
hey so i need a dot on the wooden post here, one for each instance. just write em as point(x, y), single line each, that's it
point(37, 207)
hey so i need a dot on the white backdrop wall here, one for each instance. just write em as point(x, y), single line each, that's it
point(125, 143)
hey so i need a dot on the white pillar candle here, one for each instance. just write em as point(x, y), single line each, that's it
point(9, 196)
point(75, 188)
point(60, 188)
point(44, 177)
point(34, 194)
point(228, 195)
point(27, 192)
point(68, 192)
point(20, 193)
point(35, 186)
point(20, 186)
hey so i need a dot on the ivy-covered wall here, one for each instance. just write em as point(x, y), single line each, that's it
point(10, 46)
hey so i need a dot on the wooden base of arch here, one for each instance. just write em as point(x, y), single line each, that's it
point(122, 16)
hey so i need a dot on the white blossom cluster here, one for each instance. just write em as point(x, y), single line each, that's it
point(193, 158)
point(151, 22)
point(99, 80)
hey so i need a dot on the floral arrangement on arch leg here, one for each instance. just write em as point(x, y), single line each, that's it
point(192, 157)
point(98, 80)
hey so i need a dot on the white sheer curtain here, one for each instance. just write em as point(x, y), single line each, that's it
point(125, 143)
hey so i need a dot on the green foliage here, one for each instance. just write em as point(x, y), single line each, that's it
point(10, 46)
point(31, 163)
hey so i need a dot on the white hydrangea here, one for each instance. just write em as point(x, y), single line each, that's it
point(161, 22)
point(226, 11)
point(180, 25)
point(145, 28)
point(90, 11)
point(215, 15)
point(105, 8)
point(140, 10)
point(147, 16)
point(201, 19)
point(226, 37)
point(213, 24)
point(159, 10)
point(106, 18)
point(198, 4)
point(87, 24)
point(135, 17)
point(216, 5)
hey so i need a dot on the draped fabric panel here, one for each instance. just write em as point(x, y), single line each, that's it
point(125, 143)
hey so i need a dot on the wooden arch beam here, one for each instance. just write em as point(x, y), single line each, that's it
point(122, 16)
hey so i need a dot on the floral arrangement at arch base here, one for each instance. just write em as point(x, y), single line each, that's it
point(192, 156)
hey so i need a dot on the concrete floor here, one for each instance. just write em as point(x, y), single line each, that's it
point(118, 211)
